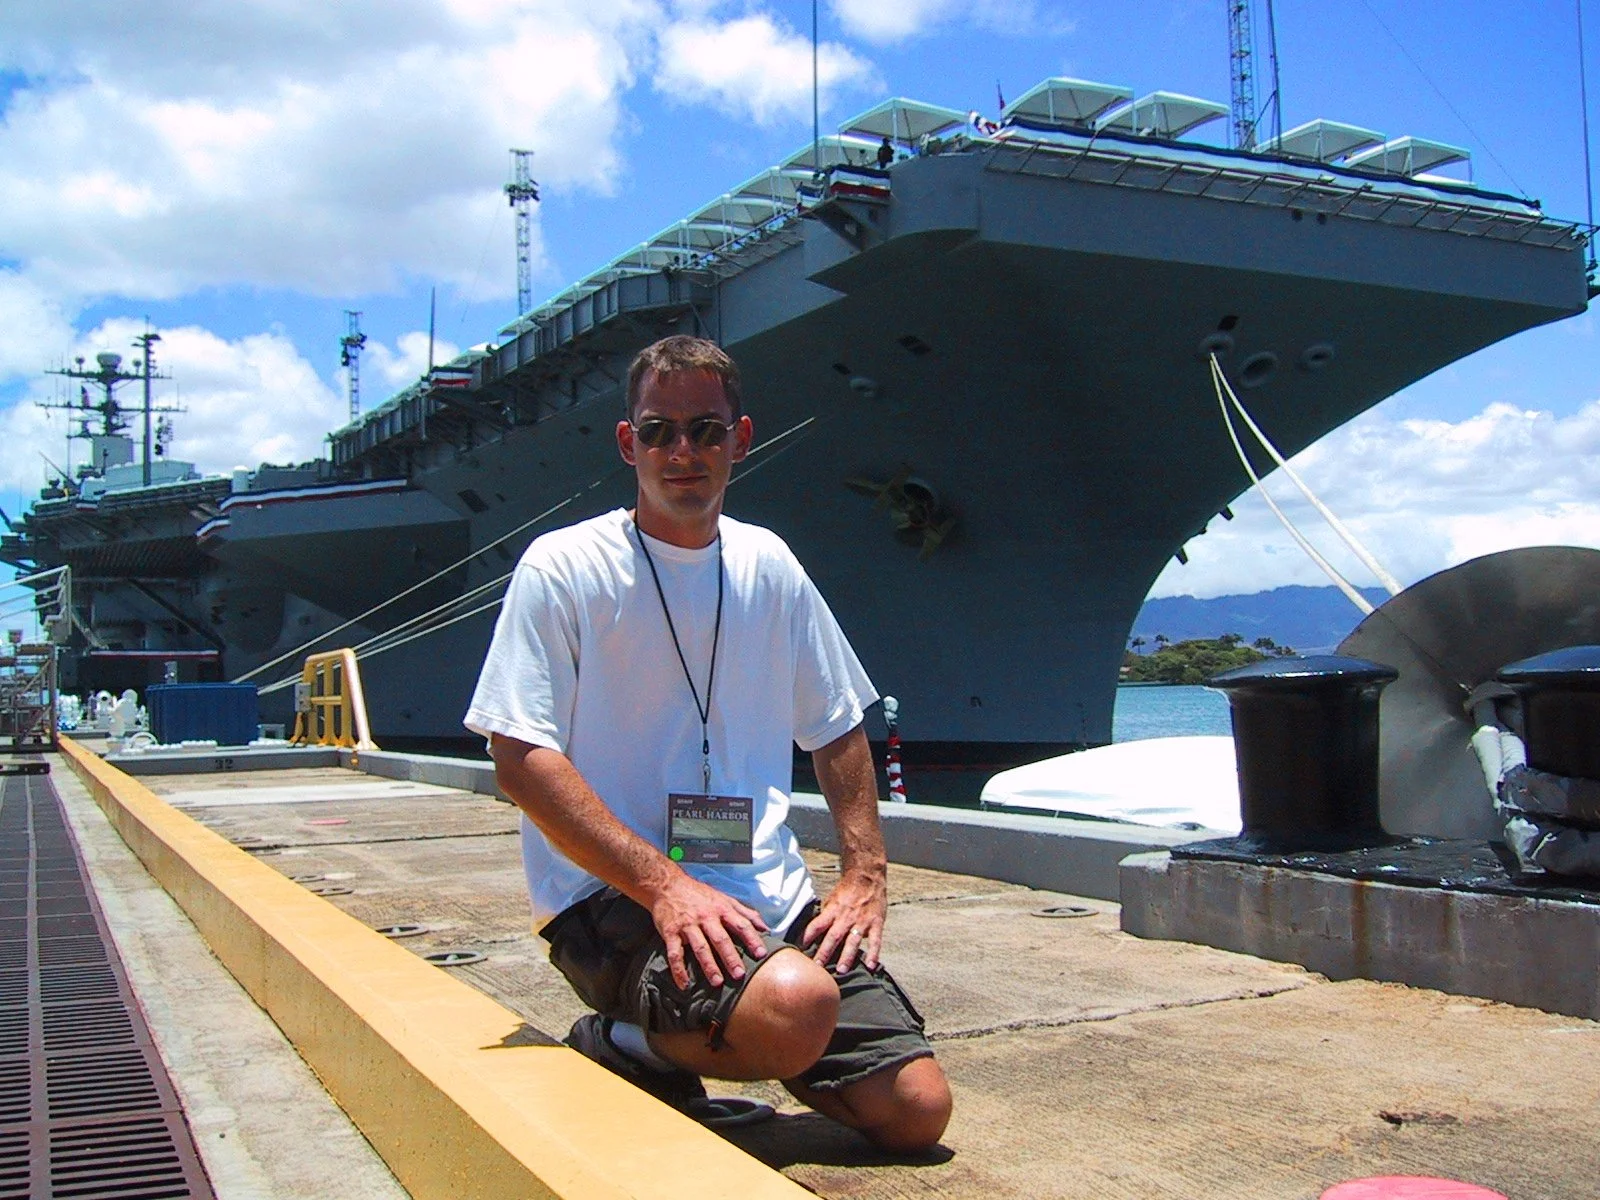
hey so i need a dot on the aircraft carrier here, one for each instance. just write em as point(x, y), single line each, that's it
point(980, 382)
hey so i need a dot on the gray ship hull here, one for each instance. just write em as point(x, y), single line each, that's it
point(1024, 343)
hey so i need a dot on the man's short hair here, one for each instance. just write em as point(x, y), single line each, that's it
point(681, 352)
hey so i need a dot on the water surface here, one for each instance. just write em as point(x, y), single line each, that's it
point(1154, 710)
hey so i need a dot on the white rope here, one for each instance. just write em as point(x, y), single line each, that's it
point(422, 633)
point(429, 632)
point(1343, 584)
point(422, 619)
point(356, 620)
point(386, 640)
point(549, 512)
point(378, 643)
point(397, 636)
point(767, 445)
point(1349, 539)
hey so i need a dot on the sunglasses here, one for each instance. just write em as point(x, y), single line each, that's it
point(705, 432)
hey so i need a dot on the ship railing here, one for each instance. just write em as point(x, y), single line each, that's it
point(673, 271)
point(330, 707)
point(44, 596)
point(657, 276)
point(723, 238)
point(1321, 195)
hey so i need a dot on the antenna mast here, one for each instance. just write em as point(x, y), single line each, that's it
point(108, 373)
point(1241, 56)
point(350, 358)
point(522, 191)
point(145, 341)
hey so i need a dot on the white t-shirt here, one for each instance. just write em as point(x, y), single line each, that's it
point(582, 663)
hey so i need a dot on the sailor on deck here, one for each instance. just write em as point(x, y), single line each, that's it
point(648, 676)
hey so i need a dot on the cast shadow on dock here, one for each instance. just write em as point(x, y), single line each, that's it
point(790, 1139)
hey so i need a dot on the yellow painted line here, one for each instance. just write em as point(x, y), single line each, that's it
point(436, 1075)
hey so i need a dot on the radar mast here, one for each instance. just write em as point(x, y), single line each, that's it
point(108, 374)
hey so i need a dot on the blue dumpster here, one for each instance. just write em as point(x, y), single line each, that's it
point(225, 713)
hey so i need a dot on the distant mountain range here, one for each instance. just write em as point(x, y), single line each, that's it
point(1310, 619)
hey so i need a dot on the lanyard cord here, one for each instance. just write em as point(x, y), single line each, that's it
point(704, 710)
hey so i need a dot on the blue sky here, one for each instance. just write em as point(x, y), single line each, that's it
point(242, 176)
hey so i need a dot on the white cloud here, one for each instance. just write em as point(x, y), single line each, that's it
point(328, 149)
point(883, 23)
point(752, 66)
point(406, 361)
point(32, 319)
point(247, 401)
point(1421, 495)
point(312, 149)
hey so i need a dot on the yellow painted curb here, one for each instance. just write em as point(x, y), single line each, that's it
point(439, 1077)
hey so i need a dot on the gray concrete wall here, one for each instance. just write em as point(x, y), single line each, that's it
point(1077, 857)
point(468, 774)
point(1528, 951)
point(1053, 853)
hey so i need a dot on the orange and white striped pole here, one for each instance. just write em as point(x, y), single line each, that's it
point(891, 718)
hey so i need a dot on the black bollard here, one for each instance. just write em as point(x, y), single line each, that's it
point(1305, 732)
point(1560, 694)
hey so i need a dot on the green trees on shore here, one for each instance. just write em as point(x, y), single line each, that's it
point(1196, 660)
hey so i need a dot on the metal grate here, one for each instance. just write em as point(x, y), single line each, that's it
point(83, 1085)
point(86, 1108)
point(14, 1165)
point(130, 1159)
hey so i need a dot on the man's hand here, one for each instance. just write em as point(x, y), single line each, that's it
point(693, 915)
point(556, 798)
point(851, 921)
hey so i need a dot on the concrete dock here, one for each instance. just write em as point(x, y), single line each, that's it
point(1086, 1062)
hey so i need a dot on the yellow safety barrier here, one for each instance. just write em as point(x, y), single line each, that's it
point(462, 1098)
point(331, 708)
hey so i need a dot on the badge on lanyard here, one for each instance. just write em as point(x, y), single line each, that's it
point(709, 829)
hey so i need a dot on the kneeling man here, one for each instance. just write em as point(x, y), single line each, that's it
point(649, 674)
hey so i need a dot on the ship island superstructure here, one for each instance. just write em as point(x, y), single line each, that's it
point(980, 381)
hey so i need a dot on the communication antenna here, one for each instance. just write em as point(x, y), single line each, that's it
point(522, 191)
point(816, 120)
point(146, 341)
point(109, 372)
point(350, 358)
point(1588, 171)
point(1241, 56)
point(1274, 100)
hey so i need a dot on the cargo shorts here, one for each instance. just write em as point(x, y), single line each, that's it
point(607, 947)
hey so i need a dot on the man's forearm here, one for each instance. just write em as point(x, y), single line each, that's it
point(555, 796)
point(851, 919)
point(850, 786)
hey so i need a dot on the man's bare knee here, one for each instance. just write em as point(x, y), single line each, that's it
point(904, 1108)
point(918, 1124)
point(788, 1010)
